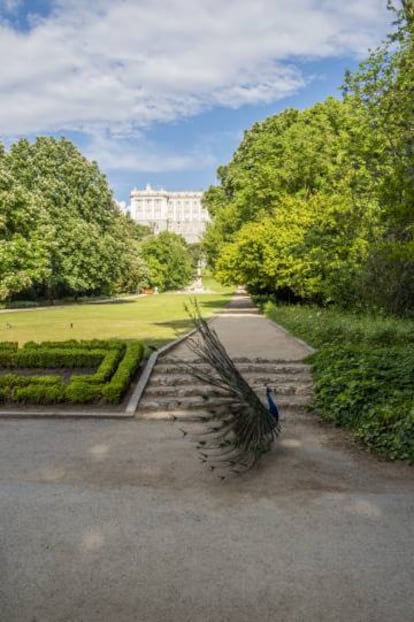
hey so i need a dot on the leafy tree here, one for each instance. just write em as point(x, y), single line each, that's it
point(169, 260)
point(85, 245)
point(383, 86)
point(309, 249)
point(293, 153)
point(351, 162)
point(24, 232)
point(298, 190)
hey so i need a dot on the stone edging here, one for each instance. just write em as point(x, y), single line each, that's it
point(62, 414)
point(289, 334)
point(146, 374)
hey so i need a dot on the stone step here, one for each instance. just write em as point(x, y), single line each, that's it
point(156, 390)
point(254, 380)
point(181, 368)
point(172, 360)
point(197, 403)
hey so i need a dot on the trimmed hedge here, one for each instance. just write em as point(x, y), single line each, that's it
point(115, 389)
point(117, 365)
point(53, 357)
point(40, 394)
point(93, 344)
point(82, 392)
point(105, 370)
point(9, 346)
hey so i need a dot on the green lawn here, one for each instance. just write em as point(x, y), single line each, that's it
point(153, 320)
point(210, 284)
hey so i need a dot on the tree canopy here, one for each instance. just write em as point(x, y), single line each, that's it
point(319, 204)
point(169, 261)
point(61, 232)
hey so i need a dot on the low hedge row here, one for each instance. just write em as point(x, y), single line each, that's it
point(50, 357)
point(9, 346)
point(120, 381)
point(83, 391)
point(117, 366)
point(93, 344)
point(106, 368)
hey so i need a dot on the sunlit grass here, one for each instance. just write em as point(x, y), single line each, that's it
point(336, 327)
point(153, 320)
point(211, 285)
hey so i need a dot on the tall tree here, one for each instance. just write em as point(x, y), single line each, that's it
point(25, 229)
point(169, 260)
point(87, 245)
point(384, 88)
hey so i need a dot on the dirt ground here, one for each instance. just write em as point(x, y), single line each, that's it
point(118, 521)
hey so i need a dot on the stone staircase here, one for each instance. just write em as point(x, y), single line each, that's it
point(173, 392)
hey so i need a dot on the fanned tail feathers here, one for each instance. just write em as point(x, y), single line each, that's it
point(239, 431)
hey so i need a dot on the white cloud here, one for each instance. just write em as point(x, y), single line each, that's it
point(126, 64)
point(142, 155)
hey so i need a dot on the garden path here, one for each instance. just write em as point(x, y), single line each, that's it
point(264, 352)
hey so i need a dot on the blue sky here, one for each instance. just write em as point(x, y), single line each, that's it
point(161, 91)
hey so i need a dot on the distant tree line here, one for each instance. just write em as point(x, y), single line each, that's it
point(318, 205)
point(62, 234)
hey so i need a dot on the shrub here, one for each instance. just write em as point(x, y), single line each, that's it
point(117, 364)
point(93, 344)
point(54, 357)
point(369, 391)
point(115, 389)
point(363, 373)
point(11, 380)
point(105, 369)
point(9, 346)
point(82, 392)
point(40, 393)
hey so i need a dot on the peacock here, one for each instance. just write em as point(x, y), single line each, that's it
point(273, 409)
point(238, 431)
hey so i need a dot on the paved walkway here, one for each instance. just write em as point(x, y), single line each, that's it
point(118, 521)
point(246, 333)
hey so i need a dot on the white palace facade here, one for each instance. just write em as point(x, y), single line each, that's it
point(180, 212)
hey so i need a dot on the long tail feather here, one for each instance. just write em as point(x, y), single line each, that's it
point(240, 431)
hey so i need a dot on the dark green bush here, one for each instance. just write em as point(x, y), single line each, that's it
point(53, 357)
point(39, 394)
point(390, 430)
point(370, 391)
point(94, 344)
point(363, 372)
point(82, 392)
point(117, 362)
point(105, 370)
point(9, 346)
point(115, 389)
